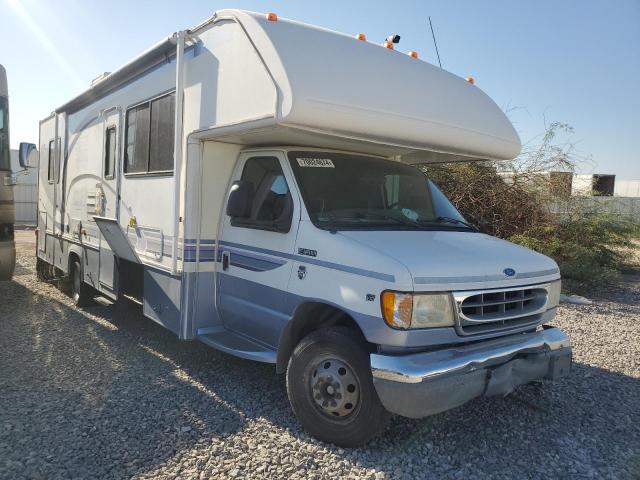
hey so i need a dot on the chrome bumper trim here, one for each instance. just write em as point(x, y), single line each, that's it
point(421, 367)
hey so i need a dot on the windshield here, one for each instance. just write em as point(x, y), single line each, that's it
point(4, 134)
point(352, 192)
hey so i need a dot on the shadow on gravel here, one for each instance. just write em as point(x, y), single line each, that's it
point(93, 393)
point(106, 392)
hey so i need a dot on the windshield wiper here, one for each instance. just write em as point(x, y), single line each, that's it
point(360, 215)
point(458, 221)
point(402, 221)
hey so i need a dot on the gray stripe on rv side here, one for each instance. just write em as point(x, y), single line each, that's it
point(334, 266)
point(483, 278)
point(241, 258)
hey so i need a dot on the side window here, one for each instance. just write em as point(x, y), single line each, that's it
point(137, 154)
point(52, 161)
point(161, 134)
point(110, 149)
point(271, 203)
point(149, 136)
point(58, 158)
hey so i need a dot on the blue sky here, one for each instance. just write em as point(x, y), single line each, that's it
point(569, 61)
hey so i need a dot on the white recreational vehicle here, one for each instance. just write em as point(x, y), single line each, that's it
point(249, 181)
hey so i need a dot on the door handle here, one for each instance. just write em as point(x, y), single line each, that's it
point(225, 260)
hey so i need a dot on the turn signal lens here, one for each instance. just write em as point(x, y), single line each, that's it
point(413, 54)
point(397, 309)
point(361, 36)
point(272, 17)
point(471, 80)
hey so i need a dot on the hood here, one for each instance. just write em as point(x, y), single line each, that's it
point(449, 260)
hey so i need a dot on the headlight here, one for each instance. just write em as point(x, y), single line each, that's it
point(554, 294)
point(417, 310)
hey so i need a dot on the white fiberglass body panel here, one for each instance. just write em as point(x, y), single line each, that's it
point(445, 260)
point(331, 82)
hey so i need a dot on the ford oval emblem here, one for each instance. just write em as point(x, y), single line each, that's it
point(509, 272)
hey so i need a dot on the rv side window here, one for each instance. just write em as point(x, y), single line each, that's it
point(150, 133)
point(58, 161)
point(272, 205)
point(52, 161)
point(110, 152)
point(162, 134)
point(137, 154)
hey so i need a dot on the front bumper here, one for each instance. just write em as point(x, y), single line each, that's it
point(426, 383)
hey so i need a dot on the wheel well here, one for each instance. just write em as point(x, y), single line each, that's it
point(307, 318)
point(72, 256)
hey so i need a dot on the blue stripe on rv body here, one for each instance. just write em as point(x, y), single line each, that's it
point(192, 256)
point(269, 309)
point(314, 261)
point(191, 244)
point(250, 261)
point(194, 241)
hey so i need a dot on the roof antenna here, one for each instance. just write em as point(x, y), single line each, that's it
point(434, 41)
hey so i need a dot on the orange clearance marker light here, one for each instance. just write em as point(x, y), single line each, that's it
point(388, 45)
point(272, 17)
point(361, 36)
point(413, 54)
point(471, 80)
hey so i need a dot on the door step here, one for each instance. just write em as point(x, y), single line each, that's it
point(229, 342)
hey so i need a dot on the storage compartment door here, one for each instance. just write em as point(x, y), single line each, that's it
point(116, 239)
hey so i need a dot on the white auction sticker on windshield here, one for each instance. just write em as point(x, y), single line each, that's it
point(315, 162)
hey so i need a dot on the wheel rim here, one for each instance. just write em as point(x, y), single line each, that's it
point(334, 388)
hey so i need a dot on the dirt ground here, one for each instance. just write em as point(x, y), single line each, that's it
point(103, 392)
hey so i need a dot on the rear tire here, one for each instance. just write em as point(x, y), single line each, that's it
point(331, 390)
point(81, 293)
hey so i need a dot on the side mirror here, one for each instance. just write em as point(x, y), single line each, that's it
point(240, 199)
point(27, 155)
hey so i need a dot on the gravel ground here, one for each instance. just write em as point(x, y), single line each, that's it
point(103, 392)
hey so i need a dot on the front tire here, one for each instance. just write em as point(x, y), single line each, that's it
point(81, 293)
point(331, 390)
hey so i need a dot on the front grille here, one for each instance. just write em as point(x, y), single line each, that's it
point(492, 310)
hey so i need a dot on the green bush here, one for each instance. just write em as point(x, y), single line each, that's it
point(527, 206)
point(587, 247)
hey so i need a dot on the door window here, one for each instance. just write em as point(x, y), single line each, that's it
point(52, 161)
point(110, 153)
point(271, 205)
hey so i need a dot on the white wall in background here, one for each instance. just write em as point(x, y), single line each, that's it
point(627, 188)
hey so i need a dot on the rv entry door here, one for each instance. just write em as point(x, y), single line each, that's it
point(107, 193)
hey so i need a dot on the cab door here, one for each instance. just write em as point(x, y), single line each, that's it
point(256, 250)
point(107, 192)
